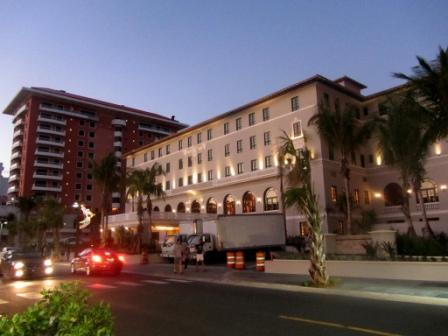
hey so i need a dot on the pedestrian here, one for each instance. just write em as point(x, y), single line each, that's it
point(200, 256)
point(185, 254)
point(177, 253)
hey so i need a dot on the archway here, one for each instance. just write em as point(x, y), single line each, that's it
point(249, 202)
point(393, 195)
point(212, 206)
point(270, 200)
point(181, 207)
point(229, 205)
point(195, 207)
point(168, 208)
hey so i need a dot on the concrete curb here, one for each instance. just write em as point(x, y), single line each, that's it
point(310, 290)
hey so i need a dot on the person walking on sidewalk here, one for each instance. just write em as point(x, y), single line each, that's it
point(185, 254)
point(177, 253)
point(200, 256)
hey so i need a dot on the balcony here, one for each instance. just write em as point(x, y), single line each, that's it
point(14, 166)
point(21, 110)
point(429, 206)
point(18, 122)
point(16, 155)
point(50, 142)
point(17, 133)
point(118, 154)
point(47, 177)
point(116, 195)
point(46, 188)
point(13, 178)
point(118, 122)
point(13, 189)
point(153, 129)
point(51, 120)
point(48, 165)
point(118, 144)
point(70, 113)
point(41, 129)
point(118, 164)
point(116, 205)
point(17, 144)
point(118, 133)
point(49, 154)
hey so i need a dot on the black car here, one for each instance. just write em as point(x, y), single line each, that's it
point(97, 260)
point(25, 264)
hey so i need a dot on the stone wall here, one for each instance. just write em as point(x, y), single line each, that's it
point(351, 244)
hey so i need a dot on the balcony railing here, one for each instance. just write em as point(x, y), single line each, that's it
point(429, 206)
point(48, 165)
point(17, 133)
point(16, 155)
point(48, 153)
point(76, 114)
point(45, 130)
point(14, 166)
point(17, 144)
point(153, 129)
point(47, 177)
point(118, 133)
point(50, 142)
point(46, 188)
point(14, 177)
point(51, 120)
point(12, 189)
point(18, 122)
point(131, 219)
point(118, 122)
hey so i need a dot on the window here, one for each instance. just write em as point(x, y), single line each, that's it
point(212, 206)
point(267, 138)
point(91, 155)
point(252, 142)
point(199, 177)
point(167, 185)
point(92, 124)
point(227, 171)
point(393, 195)
point(366, 111)
point(145, 157)
point(268, 161)
point(333, 194)
point(81, 143)
point(239, 146)
point(79, 175)
point(190, 161)
point(78, 186)
point(297, 129)
point(167, 167)
point(189, 141)
point(253, 165)
point(91, 145)
point(92, 134)
point(227, 150)
point(270, 200)
point(337, 106)
point(266, 114)
point(89, 176)
point(331, 153)
point(199, 158)
point(294, 103)
point(81, 122)
point(382, 109)
point(179, 144)
point(199, 138)
point(249, 202)
point(81, 133)
point(133, 162)
point(181, 164)
point(229, 205)
point(353, 158)
point(167, 149)
point(326, 100)
point(251, 119)
point(356, 197)
point(180, 182)
point(160, 152)
point(226, 128)
point(88, 198)
point(89, 187)
point(210, 155)
point(239, 168)
point(209, 134)
point(190, 179)
point(429, 192)
point(366, 197)
point(210, 175)
point(79, 164)
point(363, 161)
point(370, 158)
point(80, 154)
point(152, 155)
point(238, 124)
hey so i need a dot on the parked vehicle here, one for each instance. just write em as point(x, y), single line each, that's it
point(167, 247)
point(97, 260)
point(4, 250)
point(20, 264)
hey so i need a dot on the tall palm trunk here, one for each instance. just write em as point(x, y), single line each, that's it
point(405, 208)
point(149, 209)
point(419, 197)
point(345, 172)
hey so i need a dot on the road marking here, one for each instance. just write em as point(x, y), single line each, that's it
point(128, 283)
point(179, 280)
point(3, 302)
point(100, 286)
point(156, 282)
point(30, 295)
point(337, 325)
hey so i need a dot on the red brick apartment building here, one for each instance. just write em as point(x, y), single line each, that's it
point(57, 134)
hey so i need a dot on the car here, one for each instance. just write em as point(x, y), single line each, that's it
point(19, 264)
point(97, 260)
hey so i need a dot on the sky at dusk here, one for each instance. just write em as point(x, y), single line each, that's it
point(197, 59)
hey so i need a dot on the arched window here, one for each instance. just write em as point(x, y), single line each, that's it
point(181, 207)
point(393, 195)
point(270, 200)
point(429, 192)
point(195, 207)
point(229, 205)
point(248, 202)
point(156, 209)
point(168, 208)
point(212, 206)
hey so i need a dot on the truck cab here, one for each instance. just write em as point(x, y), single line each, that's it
point(167, 247)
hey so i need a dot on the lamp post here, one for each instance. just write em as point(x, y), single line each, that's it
point(76, 206)
point(1, 229)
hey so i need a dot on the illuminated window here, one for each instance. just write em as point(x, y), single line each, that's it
point(429, 192)
point(249, 202)
point(366, 197)
point(356, 197)
point(270, 200)
point(212, 206)
point(333, 194)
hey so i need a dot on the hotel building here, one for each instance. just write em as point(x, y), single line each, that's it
point(57, 135)
point(229, 164)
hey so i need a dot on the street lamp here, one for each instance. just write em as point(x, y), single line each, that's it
point(76, 206)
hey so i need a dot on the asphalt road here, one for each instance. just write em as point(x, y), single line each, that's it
point(163, 306)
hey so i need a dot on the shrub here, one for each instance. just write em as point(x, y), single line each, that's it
point(371, 249)
point(62, 311)
point(365, 223)
point(422, 246)
point(389, 248)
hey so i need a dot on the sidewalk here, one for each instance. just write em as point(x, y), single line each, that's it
point(434, 293)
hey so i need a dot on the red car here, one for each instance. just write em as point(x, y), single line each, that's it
point(97, 260)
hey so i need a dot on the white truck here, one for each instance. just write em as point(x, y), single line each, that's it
point(232, 233)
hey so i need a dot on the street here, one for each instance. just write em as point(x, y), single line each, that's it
point(145, 305)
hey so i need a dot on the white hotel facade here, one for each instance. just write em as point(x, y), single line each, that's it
point(228, 164)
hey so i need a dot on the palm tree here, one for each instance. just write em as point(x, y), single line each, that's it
point(136, 182)
point(430, 81)
point(346, 134)
point(404, 145)
point(26, 206)
point(108, 179)
point(51, 212)
point(301, 195)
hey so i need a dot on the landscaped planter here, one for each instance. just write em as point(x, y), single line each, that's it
point(394, 270)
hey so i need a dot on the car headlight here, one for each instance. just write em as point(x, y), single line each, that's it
point(18, 265)
point(48, 262)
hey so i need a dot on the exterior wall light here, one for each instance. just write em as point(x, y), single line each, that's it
point(259, 199)
point(437, 149)
point(443, 187)
point(238, 202)
point(377, 195)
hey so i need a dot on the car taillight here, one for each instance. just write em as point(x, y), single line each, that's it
point(121, 258)
point(96, 258)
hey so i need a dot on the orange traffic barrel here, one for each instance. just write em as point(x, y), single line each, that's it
point(239, 260)
point(260, 261)
point(231, 259)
